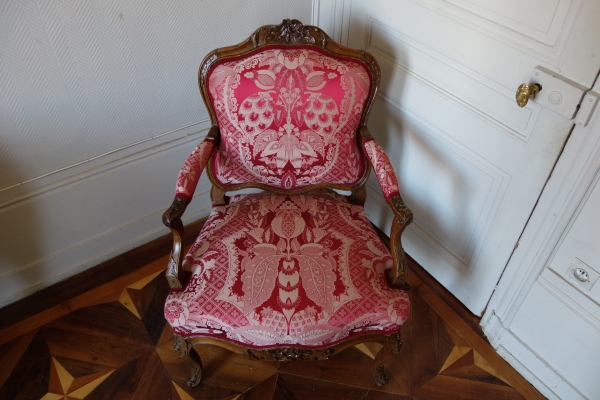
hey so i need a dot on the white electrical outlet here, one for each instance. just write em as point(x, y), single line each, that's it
point(582, 274)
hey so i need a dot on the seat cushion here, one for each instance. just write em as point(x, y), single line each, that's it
point(270, 270)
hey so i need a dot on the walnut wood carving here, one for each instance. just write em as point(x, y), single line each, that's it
point(359, 195)
point(289, 32)
point(217, 196)
point(391, 347)
point(185, 350)
point(172, 219)
point(402, 218)
point(290, 353)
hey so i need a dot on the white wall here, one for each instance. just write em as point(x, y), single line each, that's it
point(99, 107)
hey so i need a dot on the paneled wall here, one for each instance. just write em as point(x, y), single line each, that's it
point(99, 107)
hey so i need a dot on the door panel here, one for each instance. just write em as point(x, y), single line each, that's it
point(471, 163)
point(579, 245)
point(493, 101)
point(541, 20)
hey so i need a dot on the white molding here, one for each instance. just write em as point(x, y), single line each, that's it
point(333, 17)
point(56, 179)
point(499, 183)
point(486, 83)
point(499, 126)
point(552, 53)
point(525, 362)
point(583, 306)
point(76, 259)
point(64, 223)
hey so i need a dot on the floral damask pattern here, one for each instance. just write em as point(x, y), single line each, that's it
point(383, 169)
point(288, 118)
point(278, 270)
point(189, 175)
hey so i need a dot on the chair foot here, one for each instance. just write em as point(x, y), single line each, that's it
point(380, 376)
point(186, 352)
point(391, 348)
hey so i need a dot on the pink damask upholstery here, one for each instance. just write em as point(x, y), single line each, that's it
point(288, 117)
point(189, 175)
point(383, 169)
point(287, 270)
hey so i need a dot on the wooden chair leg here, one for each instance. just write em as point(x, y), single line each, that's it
point(391, 348)
point(186, 352)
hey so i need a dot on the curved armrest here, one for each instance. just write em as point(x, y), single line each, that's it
point(188, 178)
point(382, 167)
point(189, 175)
point(402, 214)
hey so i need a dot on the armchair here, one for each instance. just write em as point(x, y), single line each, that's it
point(295, 272)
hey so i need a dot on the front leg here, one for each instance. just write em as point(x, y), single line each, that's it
point(391, 348)
point(186, 352)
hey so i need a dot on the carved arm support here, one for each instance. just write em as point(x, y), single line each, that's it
point(188, 178)
point(402, 218)
point(402, 215)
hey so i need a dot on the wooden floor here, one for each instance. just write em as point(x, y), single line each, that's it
point(112, 342)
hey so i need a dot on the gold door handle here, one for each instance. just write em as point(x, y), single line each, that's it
point(524, 91)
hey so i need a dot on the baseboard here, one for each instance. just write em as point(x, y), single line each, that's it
point(525, 361)
point(96, 276)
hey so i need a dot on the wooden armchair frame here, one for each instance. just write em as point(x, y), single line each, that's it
point(289, 32)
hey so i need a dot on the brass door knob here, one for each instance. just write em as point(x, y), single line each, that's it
point(524, 91)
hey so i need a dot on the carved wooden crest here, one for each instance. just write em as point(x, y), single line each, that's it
point(290, 32)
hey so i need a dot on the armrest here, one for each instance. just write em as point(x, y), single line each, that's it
point(189, 175)
point(187, 180)
point(382, 167)
point(402, 215)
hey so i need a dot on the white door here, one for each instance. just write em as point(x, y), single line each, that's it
point(555, 330)
point(471, 163)
point(544, 318)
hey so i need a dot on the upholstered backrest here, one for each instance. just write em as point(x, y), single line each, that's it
point(288, 116)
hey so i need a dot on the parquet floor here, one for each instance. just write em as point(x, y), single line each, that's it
point(113, 343)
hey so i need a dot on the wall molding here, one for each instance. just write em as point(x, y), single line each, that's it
point(552, 52)
point(333, 16)
point(500, 180)
point(525, 362)
point(487, 117)
point(75, 211)
point(55, 180)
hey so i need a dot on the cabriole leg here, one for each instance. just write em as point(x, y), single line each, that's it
point(186, 352)
point(391, 348)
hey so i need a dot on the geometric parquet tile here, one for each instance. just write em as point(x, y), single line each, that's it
point(122, 349)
